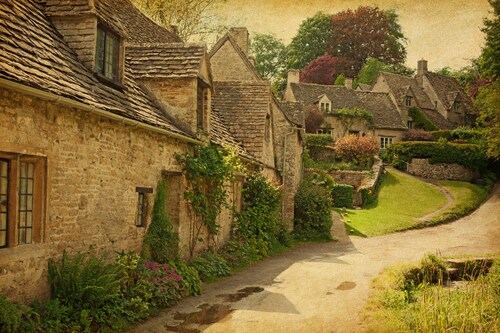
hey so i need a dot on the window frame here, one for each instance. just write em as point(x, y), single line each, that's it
point(38, 194)
point(408, 100)
point(410, 124)
point(385, 141)
point(325, 130)
point(142, 206)
point(109, 33)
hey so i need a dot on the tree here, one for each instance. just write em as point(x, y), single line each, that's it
point(269, 53)
point(369, 72)
point(325, 69)
point(340, 80)
point(313, 118)
point(487, 102)
point(190, 17)
point(367, 32)
point(490, 58)
point(310, 42)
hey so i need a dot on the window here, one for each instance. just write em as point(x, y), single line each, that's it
point(21, 199)
point(385, 141)
point(202, 105)
point(328, 131)
point(456, 106)
point(410, 124)
point(325, 107)
point(107, 56)
point(408, 100)
point(435, 104)
point(142, 205)
point(267, 129)
point(356, 133)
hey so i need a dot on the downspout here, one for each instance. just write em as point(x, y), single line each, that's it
point(65, 101)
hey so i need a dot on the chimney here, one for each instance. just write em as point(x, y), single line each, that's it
point(422, 67)
point(293, 76)
point(240, 35)
point(348, 83)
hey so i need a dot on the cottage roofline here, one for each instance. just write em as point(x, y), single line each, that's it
point(65, 101)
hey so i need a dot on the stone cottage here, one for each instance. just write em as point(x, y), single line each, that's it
point(384, 122)
point(270, 131)
point(95, 101)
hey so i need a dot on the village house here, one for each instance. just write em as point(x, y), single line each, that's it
point(95, 102)
point(382, 119)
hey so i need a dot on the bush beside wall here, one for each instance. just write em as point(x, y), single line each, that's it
point(342, 195)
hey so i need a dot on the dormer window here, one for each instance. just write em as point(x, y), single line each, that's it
point(408, 100)
point(325, 106)
point(456, 106)
point(107, 58)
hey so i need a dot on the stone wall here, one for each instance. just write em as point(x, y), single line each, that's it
point(93, 166)
point(422, 168)
point(227, 65)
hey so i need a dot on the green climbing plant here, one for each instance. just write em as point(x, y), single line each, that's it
point(207, 170)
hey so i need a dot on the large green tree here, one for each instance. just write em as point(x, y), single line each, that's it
point(367, 32)
point(310, 42)
point(269, 54)
point(369, 72)
point(490, 58)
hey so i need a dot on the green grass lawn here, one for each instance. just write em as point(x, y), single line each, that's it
point(401, 200)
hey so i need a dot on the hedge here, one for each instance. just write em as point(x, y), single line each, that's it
point(474, 136)
point(342, 195)
point(420, 121)
point(315, 140)
point(468, 155)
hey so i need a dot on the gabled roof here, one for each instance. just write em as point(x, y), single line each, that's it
point(165, 60)
point(385, 114)
point(34, 54)
point(448, 89)
point(364, 87)
point(437, 119)
point(227, 38)
point(398, 84)
point(293, 111)
point(138, 28)
point(244, 107)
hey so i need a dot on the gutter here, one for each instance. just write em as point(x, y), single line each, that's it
point(65, 101)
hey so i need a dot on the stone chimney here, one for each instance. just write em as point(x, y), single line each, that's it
point(422, 67)
point(348, 83)
point(293, 76)
point(241, 36)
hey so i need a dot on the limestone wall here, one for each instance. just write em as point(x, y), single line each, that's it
point(227, 65)
point(422, 168)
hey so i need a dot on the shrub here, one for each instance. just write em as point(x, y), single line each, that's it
point(469, 135)
point(166, 283)
point(417, 135)
point(10, 317)
point(420, 121)
point(312, 212)
point(191, 283)
point(318, 140)
point(342, 195)
point(359, 150)
point(313, 118)
point(240, 253)
point(468, 155)
point(160, 242)
point(319, 178)
point(210, 265)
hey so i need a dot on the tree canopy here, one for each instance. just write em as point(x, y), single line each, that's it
point(490, 58)
point(269, 53)
point(325, 69)
point(369, 72)
point(310, 42)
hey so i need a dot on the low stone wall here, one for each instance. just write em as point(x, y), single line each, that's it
point(422, 168)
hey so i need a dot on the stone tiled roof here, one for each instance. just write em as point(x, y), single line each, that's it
point(33, 53)
point(364, 87)
point(447, 90)
point(385, 114)
point(138, 28)
point(165, 60)
point(399, 84)
point(244, 107)
point(437, 119)
point(293, 111)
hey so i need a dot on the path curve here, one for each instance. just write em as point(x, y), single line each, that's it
point(322, 287)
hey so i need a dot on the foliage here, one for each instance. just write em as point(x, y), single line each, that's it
point(160, 241)
point(347, 117)
point(468, 155)
point(191, 283)
point(210, 265)
point(342, 195)
point(239, 253)
point(420, 121)
point(397, 208)
point(469, 135)
point(340, 80)
point(166, 283)
point(319, 178)
point(367, 32)
point(313, 218)
point(325, 68)
point(190, 17)
point(259, 217)
point(359, 150)
point(10, 317)
point(206, 172)
point(369, 72)
point(269, 53)
point(487, 102)
point(318, 140)
point(417, 135)
point(314, 117)
point(310, 42)
point(490, 58)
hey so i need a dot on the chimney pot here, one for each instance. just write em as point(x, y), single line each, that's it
point(348, 83)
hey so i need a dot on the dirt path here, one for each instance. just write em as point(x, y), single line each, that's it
point(322, 287)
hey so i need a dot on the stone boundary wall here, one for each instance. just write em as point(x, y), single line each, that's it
point(422, 168)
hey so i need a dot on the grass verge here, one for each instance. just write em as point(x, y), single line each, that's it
point(401, 200)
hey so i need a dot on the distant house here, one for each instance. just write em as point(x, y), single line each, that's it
point(440, 98)
point(95, 101)
point(384, 121)
point(268, 130)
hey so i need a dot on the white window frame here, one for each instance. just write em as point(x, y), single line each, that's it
point(385, 141)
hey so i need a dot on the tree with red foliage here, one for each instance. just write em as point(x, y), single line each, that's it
point(359, 150)
point(367, 32)
point(313, 118)
point(324, 69)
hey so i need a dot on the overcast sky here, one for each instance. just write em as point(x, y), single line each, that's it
point(445, 32)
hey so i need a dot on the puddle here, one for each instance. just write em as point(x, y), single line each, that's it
point(329, 293)
point(346, 285)
point(208, 314)
point(242, 293)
